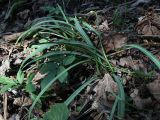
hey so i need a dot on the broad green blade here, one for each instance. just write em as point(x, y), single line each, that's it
point(59, 111)
point(83, 34)
point(7, 80)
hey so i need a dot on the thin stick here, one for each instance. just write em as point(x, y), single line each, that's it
point(5, 106)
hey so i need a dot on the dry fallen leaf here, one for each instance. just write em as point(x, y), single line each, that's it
point(149, 24)
point(130, 62)
point(126, 61)
point(39, 76)
point(18, 61)
point(103, 92)
point(22, 101)
point(119, 40)
point(104, 26)
point(4, 67)
point(104, 85)
point(115, 41)
point(154, 88)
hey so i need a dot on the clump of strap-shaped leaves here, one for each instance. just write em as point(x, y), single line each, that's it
point(64, 44)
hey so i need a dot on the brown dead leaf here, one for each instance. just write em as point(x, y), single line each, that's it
point(119, 40)
point(103, 92)
point(104, 26)
point(126, 61)
point(154, 88)
point(115, 41)
point(104, 85)
point(22, 101)
point(150, 30)
point(5, 66)
point(39, 76)
point(149, 24)
point(130, 62)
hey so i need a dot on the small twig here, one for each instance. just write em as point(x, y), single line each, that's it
point(117, 52)
point(149, 36)
point(5, 106)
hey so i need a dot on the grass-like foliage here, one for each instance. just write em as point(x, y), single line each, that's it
point(60, 46)
point(62, 38)
point(147, 53)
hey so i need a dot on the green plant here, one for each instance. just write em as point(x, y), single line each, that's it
point(62, 45)
point(7, 83)
point(72, 35)
point(54, 110)
point(147, 53)
point(16, 4)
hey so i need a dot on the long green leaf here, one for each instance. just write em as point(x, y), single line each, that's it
point(83, 34)
point(146, 52)
point(64, 16)
point(72, 97)
point(38, 50)
point(121, 95)
point(55, 53)
point(20, 76)
point(113, 109)
point(37, 26)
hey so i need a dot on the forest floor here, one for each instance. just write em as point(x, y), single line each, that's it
point(134, 23)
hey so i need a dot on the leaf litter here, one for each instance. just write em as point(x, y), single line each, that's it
point(102, 92)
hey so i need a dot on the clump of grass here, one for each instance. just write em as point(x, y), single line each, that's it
point(71, 34)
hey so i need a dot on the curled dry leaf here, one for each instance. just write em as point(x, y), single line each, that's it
point(149, 24)
point(39, 76)
point(5, 66)
point(22, 101)
point(114, 41)
point(104, 90)
point(154, 88)
point(126, 61)
point(104, 26)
